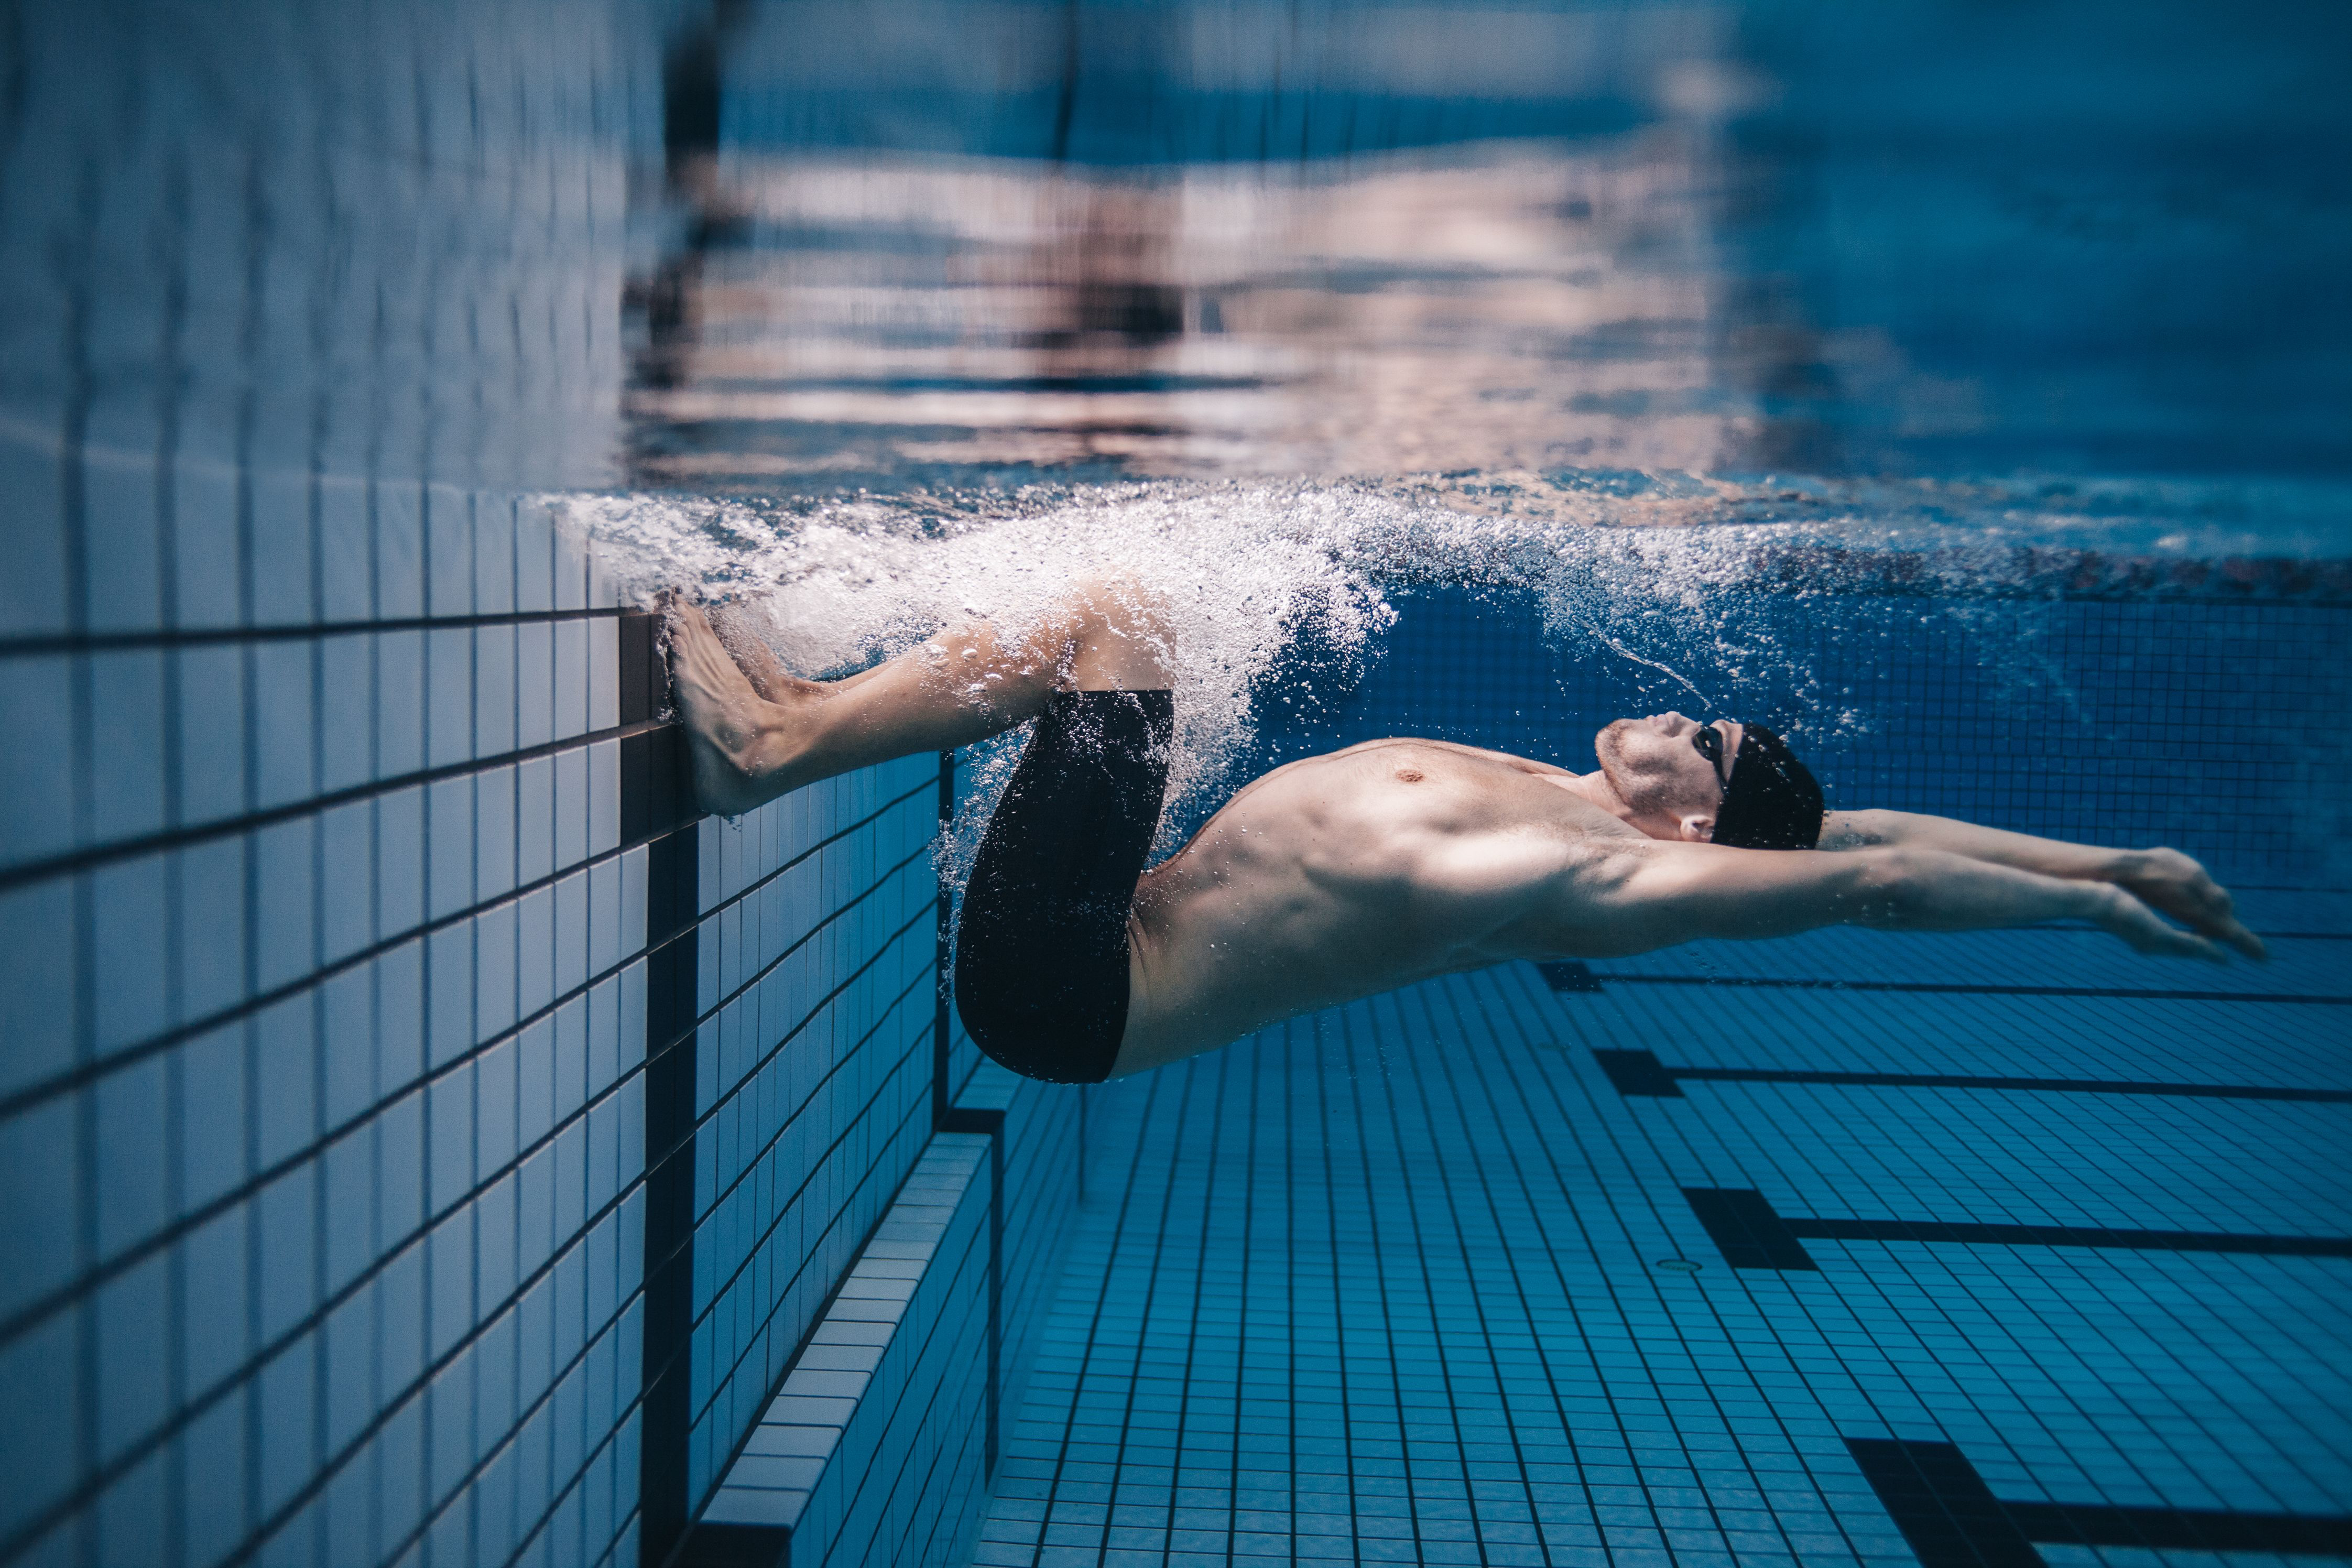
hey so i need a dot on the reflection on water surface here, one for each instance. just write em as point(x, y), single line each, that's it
point(1501, 308)
point(930, 248)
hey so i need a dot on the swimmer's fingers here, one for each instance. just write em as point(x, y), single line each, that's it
point(2146, 932)
point(2227, 928)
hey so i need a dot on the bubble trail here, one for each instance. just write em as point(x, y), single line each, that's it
point(1250, 575)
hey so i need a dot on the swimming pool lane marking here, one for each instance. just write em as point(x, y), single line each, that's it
point(1639, 1075)
point(1952, 1519)
point(1750, 1233)
point(1573, 976)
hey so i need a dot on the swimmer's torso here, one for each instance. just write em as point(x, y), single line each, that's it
point(1348, 874)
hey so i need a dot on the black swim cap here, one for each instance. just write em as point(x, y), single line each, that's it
point(1774, 802)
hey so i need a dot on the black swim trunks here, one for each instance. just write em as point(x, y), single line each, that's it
point(1041, 945)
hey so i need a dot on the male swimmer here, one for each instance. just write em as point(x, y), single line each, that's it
point(1363, 870)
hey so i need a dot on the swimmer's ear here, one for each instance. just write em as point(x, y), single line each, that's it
point(1697, 827)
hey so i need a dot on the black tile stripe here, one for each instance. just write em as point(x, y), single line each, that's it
point(1641, 1074)
point(672, 902)
point(690, 1549)
point(2182, 1528)
point(734, 1546)
point(1746, 1230)
point(1952, 1519)
point(756, 977)
point(2068, 1236)
point(1750, 1233)
point(1945, 1512)
point(1947, 988)
point(849, 1126)
point(942, 987)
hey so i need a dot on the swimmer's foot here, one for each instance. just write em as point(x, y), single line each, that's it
point(744, 745)
point(751, 653)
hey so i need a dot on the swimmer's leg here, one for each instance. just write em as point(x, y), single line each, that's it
point(758, 732)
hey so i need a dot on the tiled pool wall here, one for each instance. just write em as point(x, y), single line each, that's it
point(417, 1144)
point(354, 953)
point(321, 1100)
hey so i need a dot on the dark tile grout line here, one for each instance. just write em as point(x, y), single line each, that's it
point(1086, 1361)
point(1664, 1160)
point(1551, 1377)
point(1486, 1328)
point(1472, 984)
point(825, 1303)
point(24, 1319)
point(750, 1166)
point(1308, 1033)
point(1475, 1067)
point(1217, 1072)
point(258, 1538)
point(83, 1074)
point(1407, 1219)
point(1477, 988)
point(169, 638)
point(686, 1141)
point(482, 1464)
point(193, 1408)
point(93, 856)
point(1201, 1273)
point(1452, 1100)
point(927, 909)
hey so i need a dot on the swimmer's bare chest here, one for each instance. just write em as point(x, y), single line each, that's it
point(1352, 873)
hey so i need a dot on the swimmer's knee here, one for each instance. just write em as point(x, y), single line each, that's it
point(1118, 604)
point(1119, 633)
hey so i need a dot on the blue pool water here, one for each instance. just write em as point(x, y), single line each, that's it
point(1423, 1278)
point(425, 1140)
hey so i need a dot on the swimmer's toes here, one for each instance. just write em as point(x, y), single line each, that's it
point(750, 651)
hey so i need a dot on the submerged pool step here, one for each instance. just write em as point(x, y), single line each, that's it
point(876, 1429)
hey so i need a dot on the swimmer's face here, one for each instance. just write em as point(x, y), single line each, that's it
point(1674, 786)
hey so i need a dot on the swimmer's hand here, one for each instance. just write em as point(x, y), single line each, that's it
point(2174, 884)
point(2163, 880)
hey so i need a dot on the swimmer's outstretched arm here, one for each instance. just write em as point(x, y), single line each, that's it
point(2165, 880)
point(1680, 892)
point(757, 732)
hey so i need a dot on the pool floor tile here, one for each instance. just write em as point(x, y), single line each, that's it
point(1414, 1281)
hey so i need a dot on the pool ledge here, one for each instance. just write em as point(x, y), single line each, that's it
point(836, 1469)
